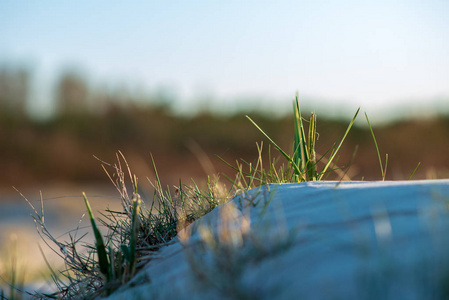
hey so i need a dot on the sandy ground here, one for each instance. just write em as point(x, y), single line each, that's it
point(320, 240)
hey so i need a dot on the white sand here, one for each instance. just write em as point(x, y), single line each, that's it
point(357, 240)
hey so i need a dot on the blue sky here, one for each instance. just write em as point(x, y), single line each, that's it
point(377, 54)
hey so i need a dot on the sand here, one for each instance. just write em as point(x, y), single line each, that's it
point(316, 240)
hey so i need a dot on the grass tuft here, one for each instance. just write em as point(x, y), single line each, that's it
point(134, 235)
point(301, 164)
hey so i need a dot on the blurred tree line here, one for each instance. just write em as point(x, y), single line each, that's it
point(99, 122)
point(72, 95)
point(14, 90)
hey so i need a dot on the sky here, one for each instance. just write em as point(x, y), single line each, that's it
point(381, 55)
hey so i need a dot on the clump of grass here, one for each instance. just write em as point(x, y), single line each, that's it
point(133, 236)
point(116, 264)
point(301, 164)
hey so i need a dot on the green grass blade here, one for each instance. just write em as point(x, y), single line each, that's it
point(413, 173)
point(377, 148)
point(226, 163)
point(297, 147)
point(134, 233)
point(125, 252)
point(158, 181)
point(311, 142)
point(111, 263)
point(101, 249)
point(300, 155)
point(334, 153)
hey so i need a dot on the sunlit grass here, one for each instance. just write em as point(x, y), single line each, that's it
point(301, 165)
point(134, 235)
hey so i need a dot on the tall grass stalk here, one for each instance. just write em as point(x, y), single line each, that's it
point(414, 170)
point(383, 170)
